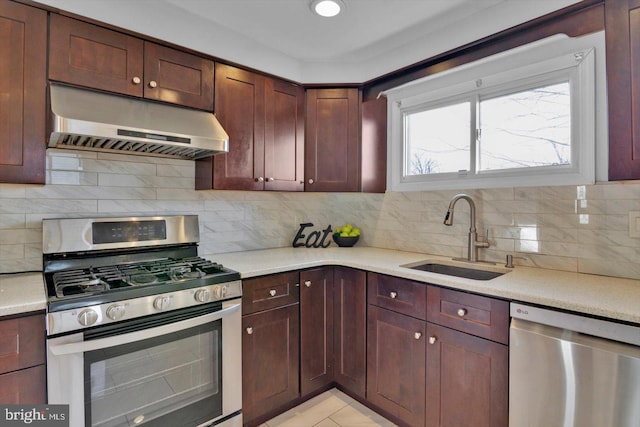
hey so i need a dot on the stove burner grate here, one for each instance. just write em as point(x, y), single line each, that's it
point(113, 277)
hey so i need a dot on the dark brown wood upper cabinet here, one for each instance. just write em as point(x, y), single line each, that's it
point(177, 77)
point(284, 136)
point(332, 143)
point(622, 29)
point(88, 55)
point(240, 107)
point(23, 79)
point(95, 57)
point(264, 118)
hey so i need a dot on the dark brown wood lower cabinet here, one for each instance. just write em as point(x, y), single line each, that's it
point(27, 386)
point(316, 329)
point(350, 329)
point(467, 380)
point(396, 364)
point(270, 360)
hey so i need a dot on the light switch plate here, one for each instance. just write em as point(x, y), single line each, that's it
point(634, 223)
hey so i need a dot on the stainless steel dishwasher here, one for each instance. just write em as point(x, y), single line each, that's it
point(572, 371)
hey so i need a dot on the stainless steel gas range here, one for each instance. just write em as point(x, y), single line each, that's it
point(140, 330)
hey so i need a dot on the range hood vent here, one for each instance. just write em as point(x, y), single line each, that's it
point(86, 120)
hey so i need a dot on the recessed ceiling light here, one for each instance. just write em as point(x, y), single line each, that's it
point(327, 8)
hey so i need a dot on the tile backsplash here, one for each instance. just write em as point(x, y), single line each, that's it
point(581, 229)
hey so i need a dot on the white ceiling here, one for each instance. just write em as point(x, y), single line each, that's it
point(283, 37)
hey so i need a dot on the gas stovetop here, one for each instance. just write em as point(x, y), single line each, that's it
point(89, 285)
point(90, 281)
point(103, 270)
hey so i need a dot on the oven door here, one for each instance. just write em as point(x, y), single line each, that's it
point(173, 369)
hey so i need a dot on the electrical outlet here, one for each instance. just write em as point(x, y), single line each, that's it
point(634, 223)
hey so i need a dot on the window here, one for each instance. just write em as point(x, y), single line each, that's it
point(524, 117)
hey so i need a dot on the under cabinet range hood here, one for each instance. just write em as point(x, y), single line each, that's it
point(87, 120)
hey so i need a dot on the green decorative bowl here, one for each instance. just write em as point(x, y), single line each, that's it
point(345, 242)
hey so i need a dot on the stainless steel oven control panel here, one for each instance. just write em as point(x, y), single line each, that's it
point(59, 322)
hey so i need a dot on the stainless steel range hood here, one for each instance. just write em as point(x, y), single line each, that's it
point(86, 120)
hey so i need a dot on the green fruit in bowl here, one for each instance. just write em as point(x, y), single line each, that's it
point(347, 230)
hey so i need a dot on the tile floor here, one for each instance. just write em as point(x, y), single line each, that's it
point(329, 409)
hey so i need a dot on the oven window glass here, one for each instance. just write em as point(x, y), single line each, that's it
point(174, 380)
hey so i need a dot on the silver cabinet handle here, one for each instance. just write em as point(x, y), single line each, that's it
point(307, 283)
point(270, 179)
point(393, 294)
point(310, 181)
point(249, 330)
point(136, 80)
point(417, 335)
point(153, 84)
point(462, 312)
point(433, 340)
point(272, 292)
point(259, 179)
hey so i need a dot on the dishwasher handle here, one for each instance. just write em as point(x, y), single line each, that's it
point(606, 329)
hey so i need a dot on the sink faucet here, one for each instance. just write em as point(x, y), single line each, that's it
point(473, 243)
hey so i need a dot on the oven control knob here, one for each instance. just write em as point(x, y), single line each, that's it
point(115, 312)
point(203, 295)
point(87, 317)
point(161, 303)
point(217, 292)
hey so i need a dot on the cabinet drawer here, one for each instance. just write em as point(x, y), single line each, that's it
point(477, 315)
point(399, 295)
point(265, 293)
point(21, 343)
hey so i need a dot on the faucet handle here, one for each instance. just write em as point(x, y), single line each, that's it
point(483, 243)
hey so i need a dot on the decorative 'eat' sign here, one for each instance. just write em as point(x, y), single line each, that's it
point(315, 239)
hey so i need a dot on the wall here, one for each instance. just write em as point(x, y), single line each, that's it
point(568, 228)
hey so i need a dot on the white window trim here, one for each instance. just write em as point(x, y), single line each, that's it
point(524, 66)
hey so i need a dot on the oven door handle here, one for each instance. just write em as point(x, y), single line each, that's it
point(116, 340)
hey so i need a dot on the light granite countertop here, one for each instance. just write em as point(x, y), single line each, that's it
point(21, 293)
point(604, 296)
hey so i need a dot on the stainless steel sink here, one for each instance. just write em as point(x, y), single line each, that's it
point(454, 270)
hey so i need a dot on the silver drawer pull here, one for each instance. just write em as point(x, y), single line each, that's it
point(393, 294)
point(272, 292)
point(307, 283)
point(433, 340)
point(250, 330)
point(417, 335)
point(462, 312)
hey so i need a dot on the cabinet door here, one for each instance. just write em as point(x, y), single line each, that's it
point(27, 386)
point(92, 56)
point(284, 136)
point(332, 144)
point(270, 366)
point(396, 364)
point(622, 25)
point(350, 329)
point(467, 380)
point(23, 40)
point(240, 108)
point(22, 343)
point(177, 77)
point(316, 329)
